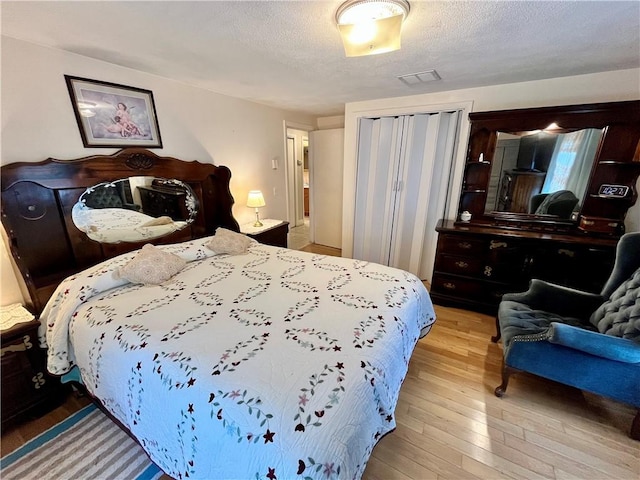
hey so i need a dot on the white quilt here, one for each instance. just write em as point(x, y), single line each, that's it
point(276, 364)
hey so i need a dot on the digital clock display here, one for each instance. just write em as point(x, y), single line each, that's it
point(618, 191)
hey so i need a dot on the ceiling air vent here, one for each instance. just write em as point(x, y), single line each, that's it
point(418, 78)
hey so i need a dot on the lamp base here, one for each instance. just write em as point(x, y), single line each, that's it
point(258, 222)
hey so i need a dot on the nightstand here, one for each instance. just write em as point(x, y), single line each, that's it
point(27, 388)
point(272, 232)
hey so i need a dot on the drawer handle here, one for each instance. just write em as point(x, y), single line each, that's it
point(25, 345)
point(495, 244)
point(568, 253)
point(462, 264)
point(38, 380)
point(464, 245)
point(487, 271)
point(449, 286)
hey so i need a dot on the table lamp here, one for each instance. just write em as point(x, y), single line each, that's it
point(256, 200)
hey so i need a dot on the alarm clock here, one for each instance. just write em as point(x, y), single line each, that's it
point(613, 191)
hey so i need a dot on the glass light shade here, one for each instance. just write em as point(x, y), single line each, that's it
point(371, 37)
point(255, 199)
point(370, 27)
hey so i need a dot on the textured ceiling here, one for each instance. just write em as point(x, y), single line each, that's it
point(288, 53)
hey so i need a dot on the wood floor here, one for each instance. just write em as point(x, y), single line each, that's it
point(451, 426)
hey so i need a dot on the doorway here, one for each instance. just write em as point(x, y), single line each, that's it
point(298, 187)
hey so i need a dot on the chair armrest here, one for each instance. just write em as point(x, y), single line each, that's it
point(594, 343)
point(565, 301)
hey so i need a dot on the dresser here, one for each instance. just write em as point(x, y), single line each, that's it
point(272, 232)
point(475, 265)
point(158, 202)
point(27, 388)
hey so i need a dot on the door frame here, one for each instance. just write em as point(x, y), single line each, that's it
point(290, 173)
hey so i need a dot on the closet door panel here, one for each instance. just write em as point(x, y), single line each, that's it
point(417, 157)
point(439, 197)
point(378, 159)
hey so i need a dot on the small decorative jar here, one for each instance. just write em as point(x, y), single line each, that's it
point(465, 216)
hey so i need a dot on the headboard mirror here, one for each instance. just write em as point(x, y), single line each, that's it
point(135, 209)
point(41, 203)
point(546, 166)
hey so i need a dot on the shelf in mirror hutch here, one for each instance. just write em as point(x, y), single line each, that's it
point(548, 190)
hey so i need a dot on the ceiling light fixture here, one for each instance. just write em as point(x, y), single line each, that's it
point(369, 27)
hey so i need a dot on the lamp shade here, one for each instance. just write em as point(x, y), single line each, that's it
point(370, 27)
point(255, 199)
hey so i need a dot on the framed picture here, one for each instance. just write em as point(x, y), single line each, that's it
point(112, 115)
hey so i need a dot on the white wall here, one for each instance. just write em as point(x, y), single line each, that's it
point(195, 124)
point(599, 87)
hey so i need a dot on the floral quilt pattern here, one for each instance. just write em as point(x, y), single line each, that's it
point(276, 364)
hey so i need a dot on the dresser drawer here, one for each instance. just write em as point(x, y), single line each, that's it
point(456, 286)
point(457, 265)
point(459, 245)
point(27, 388)
point(493, 292)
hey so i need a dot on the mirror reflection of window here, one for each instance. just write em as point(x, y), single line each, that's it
point(572, 161)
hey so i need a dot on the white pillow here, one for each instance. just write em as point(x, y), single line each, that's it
point(164, 220)
point(227, 241)
point(151, 266)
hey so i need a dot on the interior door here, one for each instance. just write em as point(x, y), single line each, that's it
point(326, 153)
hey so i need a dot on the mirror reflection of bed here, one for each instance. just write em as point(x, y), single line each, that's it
point(543, 172)
point(134, 209)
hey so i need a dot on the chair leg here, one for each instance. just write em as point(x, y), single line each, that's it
point(498, 334)
point(506, 373)
point(635, 427)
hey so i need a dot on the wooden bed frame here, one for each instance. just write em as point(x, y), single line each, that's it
point(37, 199)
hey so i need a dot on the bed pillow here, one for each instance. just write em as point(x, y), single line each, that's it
point(227, 241)
point(151, 266)
point(164, 220)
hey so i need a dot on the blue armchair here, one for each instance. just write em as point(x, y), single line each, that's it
point(586, 340)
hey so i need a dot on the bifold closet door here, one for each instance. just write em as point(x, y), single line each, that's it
point(401, 188)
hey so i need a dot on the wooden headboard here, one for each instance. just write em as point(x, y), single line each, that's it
point(37, 199)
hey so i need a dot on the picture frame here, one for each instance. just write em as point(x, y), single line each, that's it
point(111, 115)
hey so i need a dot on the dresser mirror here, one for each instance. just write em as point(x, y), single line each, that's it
point(134, 209)
point(545, 168)
point(543, 172)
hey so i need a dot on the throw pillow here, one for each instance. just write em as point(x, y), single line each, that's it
point(151, 266)
point(164, 220)
point(227, 241)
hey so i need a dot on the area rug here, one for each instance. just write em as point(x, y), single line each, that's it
point(87, 445)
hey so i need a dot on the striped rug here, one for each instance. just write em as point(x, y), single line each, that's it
point(87, 445)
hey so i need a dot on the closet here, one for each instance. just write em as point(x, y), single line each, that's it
point(402, 179)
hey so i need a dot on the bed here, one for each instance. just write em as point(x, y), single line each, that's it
point(271, 363)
